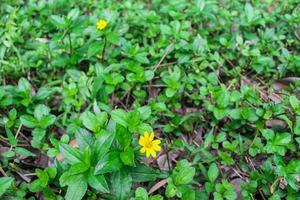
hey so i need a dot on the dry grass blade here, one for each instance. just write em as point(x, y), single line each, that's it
point(158, 185)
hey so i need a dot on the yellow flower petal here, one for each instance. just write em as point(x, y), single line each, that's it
point(149, 146)
point(151, 137)
point(156, 147)
point(101, 24)
point(156, 142)
point(143, 150)
point(142, 141)
point(153, 153)
point(146, 135)
point(147, 153)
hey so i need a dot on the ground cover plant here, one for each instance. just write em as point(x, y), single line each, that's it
point(149, 100)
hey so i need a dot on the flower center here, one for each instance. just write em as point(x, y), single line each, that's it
point(148, 144)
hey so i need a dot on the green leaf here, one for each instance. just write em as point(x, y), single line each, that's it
point(35, 186)
point(46, 121)
point(297, 126)
point(249, 11)
point(209, 138)
point(156, 197)
point(71, 155)
point(28, 121)
point(171, 190)
point(73, 14)
point(38, 135)
point(142, 128)
point(94, 48)
point(12, 114)
point(8, 154)
point(282, 139)
point(143, 173)
point(109, 163)
point(58, 21)
point(5, 183)
point(213, 172)
point(52, 172)
point(127, 157)
point(184, 176)
point(170, 92)
point(219, 113)
point(98, 182)
point(78, 168)
point(41, 110)
point(123, 136)
point(23, 152)
point(43, 93)
point(84, 138)
point(24, 85)
point(141, 193)
point(223, 97)
point(294, 102)
point(121, 184)
point(120, 117)
point(77, 188)
point(113, 37)
point(133, 120)
point(90, 121)
point(102, 145)
point(11, 137)
point(145, 112)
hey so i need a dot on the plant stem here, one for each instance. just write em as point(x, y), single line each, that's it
point(103, 50)
point(70, 43)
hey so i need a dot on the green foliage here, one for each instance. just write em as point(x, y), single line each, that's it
point(216, 81)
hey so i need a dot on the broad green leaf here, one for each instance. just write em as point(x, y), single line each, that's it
point(209, 138)
point(5, 183)
point(73, 14)
point(71, 155)
point(127, 157)
point(58, 21)
point(282, 139)
point(90, 121)
point(141, 193)
point(184, 176)
point(98, 182)
point(102, 145)
point(297, 126)
point(94, 48)
point(46, 121)
point(28, 121)
point(77, 188)
point(121, 184)
point(294, 102)
point(41, 110)
point(120, 117)
point(213, 172)
point(109, 163)
point(23, 152)
point(78, 168)
point(8, 154)
point(145, 112)
point(10, 136)
point(249, 11)
point(84, 138)
point(123, 136)
point(171, 190)
point(143, 173)
point(113, 37)
point(24, 85)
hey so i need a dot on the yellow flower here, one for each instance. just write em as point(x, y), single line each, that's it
point(149, 146)
point(101, 24)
